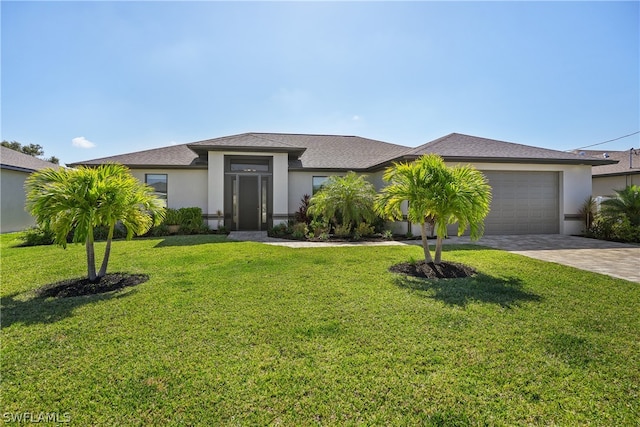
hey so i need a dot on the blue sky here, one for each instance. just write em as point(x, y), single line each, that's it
point(92, 79)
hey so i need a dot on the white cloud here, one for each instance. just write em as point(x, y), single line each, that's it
point(82, 142)
point(355, 118)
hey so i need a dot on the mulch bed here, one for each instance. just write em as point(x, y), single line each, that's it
point(82, 286)
point(444, 270)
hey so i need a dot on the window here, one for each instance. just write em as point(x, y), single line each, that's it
point(249, 165)
point(159, 184)
point(318, 182)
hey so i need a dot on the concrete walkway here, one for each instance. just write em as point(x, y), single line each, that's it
point(614, 259)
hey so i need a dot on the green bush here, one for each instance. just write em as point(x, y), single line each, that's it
point(279, 230)
point(172, 217)
point(36, 236)
point(299, 231)
point(191, 220)
point(318, 227)
point(619, 229)
point(342, 230)
point(363, 230)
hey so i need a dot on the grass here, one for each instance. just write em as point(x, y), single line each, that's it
point(249, 334)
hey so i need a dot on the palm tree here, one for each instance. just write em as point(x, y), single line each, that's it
point(626, 204)
point(81, 199)
point(350, 197)
point(436, 194)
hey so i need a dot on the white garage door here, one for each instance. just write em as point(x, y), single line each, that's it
point(523, 203)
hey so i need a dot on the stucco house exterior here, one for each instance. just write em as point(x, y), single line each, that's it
point(15, 168)
point(256, 180)
point(615, 176)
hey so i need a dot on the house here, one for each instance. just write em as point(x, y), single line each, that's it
point(15, 168)
point(616, 176)
point(256, 180)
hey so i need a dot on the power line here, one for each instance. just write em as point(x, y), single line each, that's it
point(611, 140)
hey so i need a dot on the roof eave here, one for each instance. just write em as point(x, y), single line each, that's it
point(17, 168)
point(244, 148)
point(530, 160)
point(631, 171)
point(143, 166)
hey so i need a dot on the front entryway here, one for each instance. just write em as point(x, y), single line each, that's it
point(248, 203)
point(248, 190)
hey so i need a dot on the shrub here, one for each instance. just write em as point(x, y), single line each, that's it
point(279, 230)
point(301, 214)
point(364, 230)
point(191, 220)
point(342, 230)
point(36, 236)
point(172, 217)
point(317, 227)
point(348, 199)
point(299, 231)
point(617, 229)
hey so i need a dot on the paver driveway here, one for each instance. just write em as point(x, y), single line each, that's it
point(611, 258)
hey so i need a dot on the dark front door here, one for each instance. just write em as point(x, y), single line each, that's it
point(248, 203)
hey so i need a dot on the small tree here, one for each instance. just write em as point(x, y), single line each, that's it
point(81, 199)
point(588, 211)
point(436, 194)
point(351, 198)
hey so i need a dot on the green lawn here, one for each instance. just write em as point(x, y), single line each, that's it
point(248, 334)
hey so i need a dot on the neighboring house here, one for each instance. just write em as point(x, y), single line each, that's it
point(607, 178)
point(15, 167)
point(256, 180)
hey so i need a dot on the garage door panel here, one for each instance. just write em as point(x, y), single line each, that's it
point(523, 203)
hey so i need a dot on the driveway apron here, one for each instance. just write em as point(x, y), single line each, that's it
point(611, 258)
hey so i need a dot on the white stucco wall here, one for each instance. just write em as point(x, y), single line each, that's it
point(13, 217)
point(605, 186)
point(215, 182)
point(185, 188)
point(280, 188)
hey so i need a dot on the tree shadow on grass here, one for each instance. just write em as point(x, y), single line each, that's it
point(29, 309)
point(507, 293)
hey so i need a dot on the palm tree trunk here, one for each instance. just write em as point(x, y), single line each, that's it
point(107, 252)
point(425, 243)
point(438, 258)
point(91, 256)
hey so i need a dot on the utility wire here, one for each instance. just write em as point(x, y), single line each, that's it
point(611, 140)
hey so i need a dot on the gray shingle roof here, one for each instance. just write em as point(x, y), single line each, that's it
point(252, 141)
point(306, 151)
point(338, 151)
point(344, 152)
point(621, 168)
point(172, 156)
point(12, 159)
point(457, 146)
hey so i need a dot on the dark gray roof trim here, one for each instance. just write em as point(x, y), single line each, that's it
point(15, 160)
